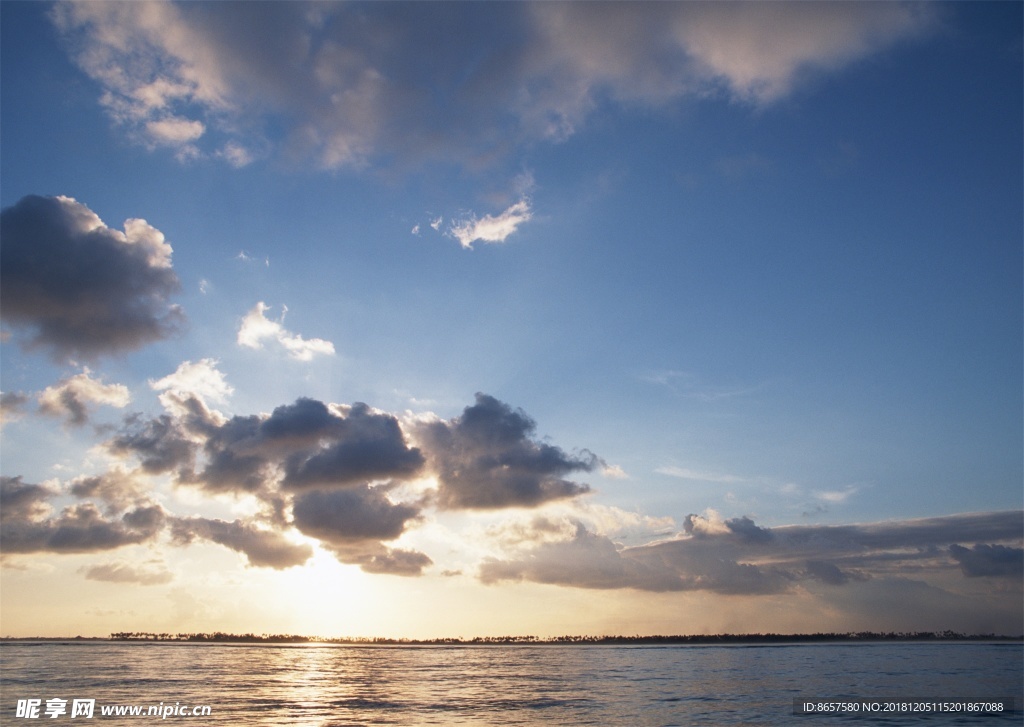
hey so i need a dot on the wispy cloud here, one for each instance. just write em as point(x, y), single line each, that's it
point(836, 496)
point(491, 228)
point(185, 75)
point(699, 476)
point(257, 328)
point(121, 572)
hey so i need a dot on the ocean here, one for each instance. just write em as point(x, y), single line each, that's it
point(635, 685)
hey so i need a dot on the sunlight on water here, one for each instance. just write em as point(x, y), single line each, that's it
point(505, 685)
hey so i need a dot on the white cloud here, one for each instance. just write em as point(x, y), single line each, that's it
point(256, 328)
point(491, 228)
point(201, 379)
point(437, 222)
point(175, 131)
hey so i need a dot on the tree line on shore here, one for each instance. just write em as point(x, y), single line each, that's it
point(754, 638)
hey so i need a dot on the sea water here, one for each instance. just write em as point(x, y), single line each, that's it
point(313, 684)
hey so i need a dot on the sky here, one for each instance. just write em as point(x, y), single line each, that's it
point(475, 319)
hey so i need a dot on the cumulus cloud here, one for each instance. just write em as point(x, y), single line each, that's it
point(161, 444)
point(351, 523)
point(201, 379)
point(356, 514)
point(119, 572)
point(257, 328)
point(736, 556)
point(491, 228)
point(364, 445)
point(23, 501)
point(80, 288)
point(28, 525)
point(266, 548)
point(71, 396)
point(345, 84)
point(487, 459)
point(332, 471)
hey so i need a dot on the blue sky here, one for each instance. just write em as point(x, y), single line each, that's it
point(689, 282)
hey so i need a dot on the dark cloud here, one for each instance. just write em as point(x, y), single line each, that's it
point(81, 529)
point(352, 522)
point(265, 548)
point(22, 501)
point(740, 529)
point(738, 557)
point(312, 444)
point(829, 573)
point(362, 513)
point(363, 445)
point(161, 444)
point(487, 459)
point(80, 288)
point(997, 561)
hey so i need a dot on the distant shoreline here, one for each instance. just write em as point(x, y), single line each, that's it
point(675, 640)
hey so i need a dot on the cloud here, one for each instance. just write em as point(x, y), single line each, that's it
point(120, 490)
point(364, 445)
point(12, 406)
point(174, 131)
point(201, 379)
point(79, 287)
point(760, 51)
point(486, 459)
point(396, 562)
point(356, 514)
point(737, 556)
point(256, 328)
point(127, 573)
point(161, 444)
point(699, 476)
point(345, 85)
point(379, 559)
point(491, 228)
point(28, 527)
point(985, 560)
point(836, 496)
point(23, 501)
point(71, 396)
point(265, 548)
